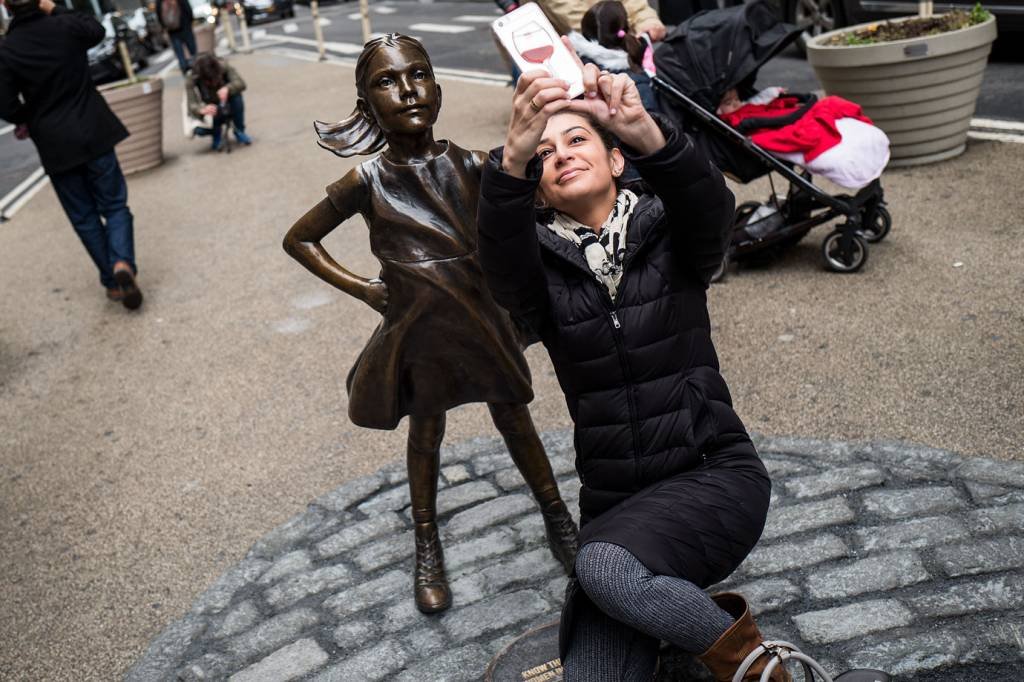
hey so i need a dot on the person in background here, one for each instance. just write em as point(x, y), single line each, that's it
point(674, 12)
point(567, 15)
point(608, 41)
point(176, 18)
point(214, 89)
point(74, 132)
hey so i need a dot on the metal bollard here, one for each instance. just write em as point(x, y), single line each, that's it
point(364, 12)
point(318, 31)
point(228, 28)
point(121, 37)
point(244, 27)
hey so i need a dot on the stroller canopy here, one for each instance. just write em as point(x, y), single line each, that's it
point(716, 50)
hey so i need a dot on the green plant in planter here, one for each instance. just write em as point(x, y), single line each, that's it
point(912, 28)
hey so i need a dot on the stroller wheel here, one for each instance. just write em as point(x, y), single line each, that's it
point(844, 254)
point(879, 227)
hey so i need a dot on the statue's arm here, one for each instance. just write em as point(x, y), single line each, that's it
point(303, 242)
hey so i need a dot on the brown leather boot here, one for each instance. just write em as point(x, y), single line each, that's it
point(563, 536)
point(431, 583)
point(742, 637)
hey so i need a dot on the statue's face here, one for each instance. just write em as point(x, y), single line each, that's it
point(400, 91)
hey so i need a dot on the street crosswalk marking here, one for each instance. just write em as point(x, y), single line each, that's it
point(996, 130)
point(476, 18)
point(354, 16)
point(291, 27)
point(995, 137)
point(20, 195)
point(440, 28)
point(259, 33)
point(996, 124)
point(333, 46)
point(323, 21)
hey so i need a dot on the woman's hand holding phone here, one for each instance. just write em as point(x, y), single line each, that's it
point(538, 96)
point(613, 101)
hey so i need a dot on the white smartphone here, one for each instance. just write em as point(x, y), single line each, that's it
point(531, 42)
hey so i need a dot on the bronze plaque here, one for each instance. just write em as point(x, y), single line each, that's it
point(531, 658)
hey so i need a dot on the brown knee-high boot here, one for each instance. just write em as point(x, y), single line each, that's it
point(423, 458)
point(516, 427)
point(742, 637)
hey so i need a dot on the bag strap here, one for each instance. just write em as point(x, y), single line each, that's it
point(780, 652)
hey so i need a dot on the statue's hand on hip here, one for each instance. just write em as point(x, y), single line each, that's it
point(376, 295)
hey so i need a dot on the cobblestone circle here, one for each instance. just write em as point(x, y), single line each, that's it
point(884, 555)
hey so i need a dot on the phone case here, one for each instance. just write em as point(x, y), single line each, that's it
point(532, 42)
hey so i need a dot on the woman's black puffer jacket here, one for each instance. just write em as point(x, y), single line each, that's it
point(640, 375)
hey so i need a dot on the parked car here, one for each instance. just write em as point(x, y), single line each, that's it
point(144, 22)
point(265, 10)
point(204, 10)
point(105, 63)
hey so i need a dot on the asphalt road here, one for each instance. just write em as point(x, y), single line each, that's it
point(457, 36)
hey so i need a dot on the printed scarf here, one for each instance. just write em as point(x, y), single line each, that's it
point(604, 252)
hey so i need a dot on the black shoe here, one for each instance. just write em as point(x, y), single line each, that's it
point(563, 536)
point(125, 279)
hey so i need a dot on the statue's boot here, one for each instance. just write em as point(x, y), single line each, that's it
point(563, 536)
point(430, 583)
point(742, 637)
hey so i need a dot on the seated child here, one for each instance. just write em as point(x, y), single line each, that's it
point(606, 40)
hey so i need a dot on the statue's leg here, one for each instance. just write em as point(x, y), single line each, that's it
point(423, 459)
point(516, 427)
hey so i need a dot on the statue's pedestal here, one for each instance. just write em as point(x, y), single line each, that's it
point(531, 658)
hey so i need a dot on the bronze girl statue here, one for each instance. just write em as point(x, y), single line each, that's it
point(443, 341)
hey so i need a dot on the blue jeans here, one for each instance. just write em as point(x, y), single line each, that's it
point(236, 116)
point(93, 190)
point(179, 41)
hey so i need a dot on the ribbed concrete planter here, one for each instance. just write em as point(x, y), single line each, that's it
point(140, 108)
point(920, 91)
point(205, 37)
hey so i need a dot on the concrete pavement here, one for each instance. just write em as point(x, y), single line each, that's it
point(143, 454)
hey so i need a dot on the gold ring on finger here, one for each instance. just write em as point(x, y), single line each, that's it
point(534, 105)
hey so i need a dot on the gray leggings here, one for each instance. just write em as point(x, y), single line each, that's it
point(618, 640)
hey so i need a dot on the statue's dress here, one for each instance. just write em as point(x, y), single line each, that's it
point(443, 341)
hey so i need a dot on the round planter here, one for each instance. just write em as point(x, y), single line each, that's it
point(920, 91)
point(205, 37)
point(140, 108)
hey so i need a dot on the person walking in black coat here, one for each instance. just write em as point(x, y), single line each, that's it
point(176, 17)
point(613, 281)
point(46, 91)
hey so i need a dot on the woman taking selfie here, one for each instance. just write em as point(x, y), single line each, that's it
point(613, 281)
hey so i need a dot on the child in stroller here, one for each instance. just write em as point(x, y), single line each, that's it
point(706, 70)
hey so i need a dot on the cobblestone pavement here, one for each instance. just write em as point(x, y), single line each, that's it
point(883, 555)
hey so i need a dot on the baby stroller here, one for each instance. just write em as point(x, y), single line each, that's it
point(701, 60)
